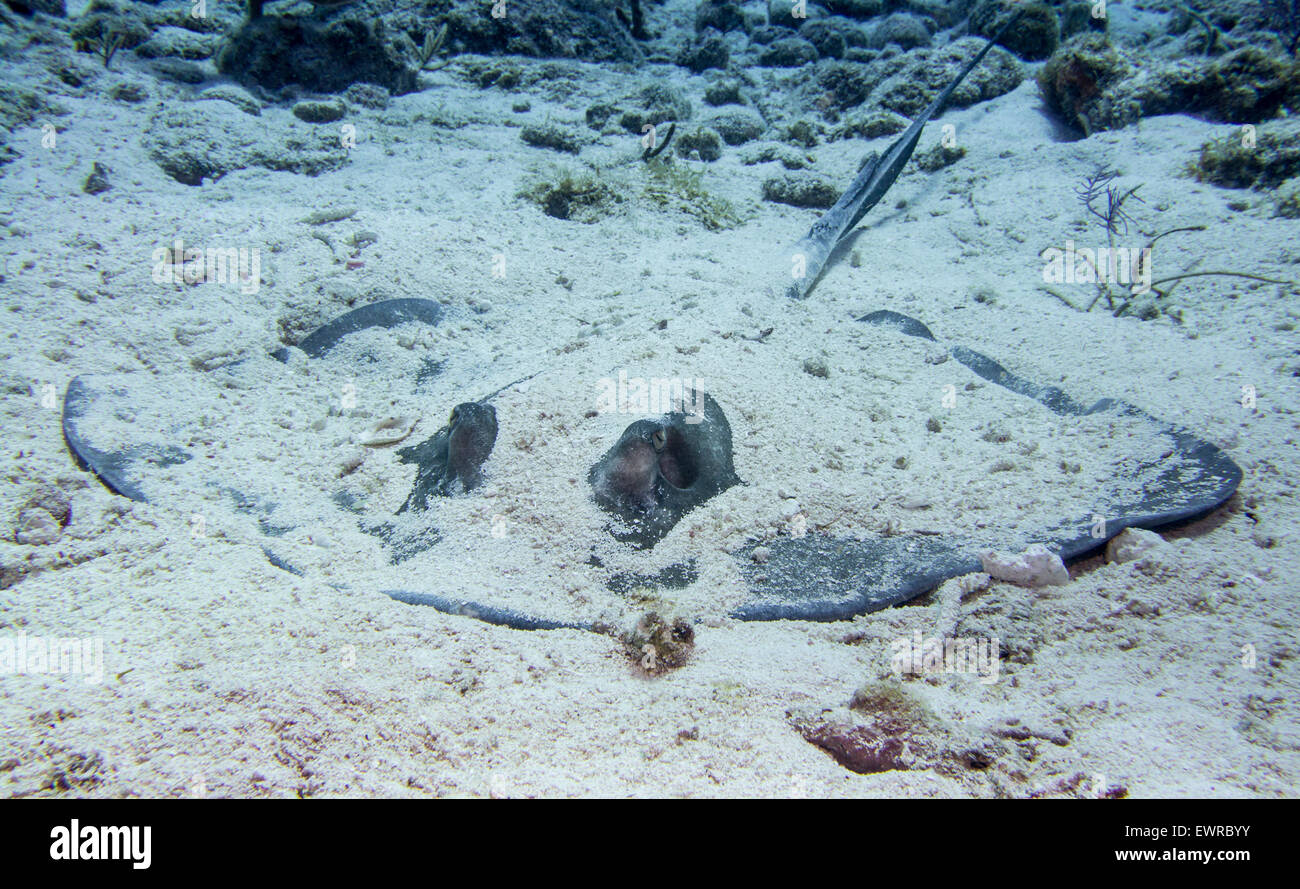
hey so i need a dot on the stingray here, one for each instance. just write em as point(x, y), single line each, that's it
point(126, 430)
point(652, 475)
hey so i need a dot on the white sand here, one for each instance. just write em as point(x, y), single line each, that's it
point(227, 676)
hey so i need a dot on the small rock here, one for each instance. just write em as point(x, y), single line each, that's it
point(1286, 201)
point(782, 12)
point(722, 15)
point(1034, 36)
point(36, 526)
point(660, 103)
point(790, 52)
point(329, 214)
point(765, 35)
point(1131, 543)
point(790, 158)
point(73, 73)
point(319, 112)
point(858, 9)
point(737, 126)
point(724, 92)
point(598, 115)
point(131, 93)
point(240, 98)
point(905, 30)
point(709, 53)
point(180, 71)
point(816, 367)
point(97, 24)
point(801, 132)
point(44, 515)
point(97, 181)
point(179, 43)
point(700, 142)
point(934, 159)
point(889, 727)
point(873, 124)
point(367, 95)
point(1035, 567)
point(800, 190)
point(553, 136)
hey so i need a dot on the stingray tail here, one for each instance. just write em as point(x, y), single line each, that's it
point(870, 185)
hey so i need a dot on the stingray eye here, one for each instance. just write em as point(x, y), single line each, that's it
point(659, 439)
point(455, 413)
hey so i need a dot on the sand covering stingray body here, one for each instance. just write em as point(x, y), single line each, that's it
point(530, 546)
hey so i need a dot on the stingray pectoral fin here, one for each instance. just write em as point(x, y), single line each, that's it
point(385, 314)
point(90, 406)
point(819, 577)
point(430, 459)
point(1199, 477)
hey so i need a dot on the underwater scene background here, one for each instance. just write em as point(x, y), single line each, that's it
point(863, 398)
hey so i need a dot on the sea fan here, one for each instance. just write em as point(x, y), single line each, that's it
point(1101, 185)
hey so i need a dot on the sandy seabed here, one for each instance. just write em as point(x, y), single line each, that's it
point(223, 675)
